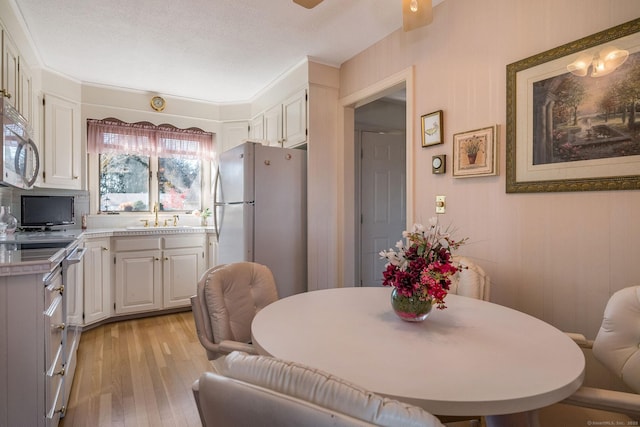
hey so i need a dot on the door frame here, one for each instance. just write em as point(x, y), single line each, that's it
point(347, 222)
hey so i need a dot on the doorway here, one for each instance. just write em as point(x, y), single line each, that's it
point(380, 169)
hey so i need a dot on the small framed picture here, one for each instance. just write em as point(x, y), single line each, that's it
point(432, 129)
point(475, 152)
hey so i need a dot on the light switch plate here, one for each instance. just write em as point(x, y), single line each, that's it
point(441, 204)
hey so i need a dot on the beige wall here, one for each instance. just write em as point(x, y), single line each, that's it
point(557, 256)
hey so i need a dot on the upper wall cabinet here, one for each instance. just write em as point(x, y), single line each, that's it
point(285, 125)
point(10, 79)
point(294, 120)
point(62, 144)
point(234, 133)
point(25, 91)
point(256, 128)
point(16, 78)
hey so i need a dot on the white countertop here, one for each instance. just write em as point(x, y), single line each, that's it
point(17, 261)
point(473, 358)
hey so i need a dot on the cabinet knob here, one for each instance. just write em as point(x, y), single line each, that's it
point(60, 372)
point(6, 94)
point(166, 258)
point(157, 259)
point(105, 249)
point(59, 289)
point(75, 177)
point(61, 326)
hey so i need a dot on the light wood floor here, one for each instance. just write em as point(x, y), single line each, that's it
point(137, 373)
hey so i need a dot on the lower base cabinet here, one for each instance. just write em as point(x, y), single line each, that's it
point(157, 273)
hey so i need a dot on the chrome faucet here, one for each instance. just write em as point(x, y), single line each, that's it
point(156, 208)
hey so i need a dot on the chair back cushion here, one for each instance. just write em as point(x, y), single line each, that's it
point(617, 345)
point(471, 281)
point(322, 389)
point(233, 294)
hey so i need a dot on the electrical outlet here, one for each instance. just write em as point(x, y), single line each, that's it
point(440, 204)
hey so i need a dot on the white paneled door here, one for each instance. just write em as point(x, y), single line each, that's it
point(383, 203)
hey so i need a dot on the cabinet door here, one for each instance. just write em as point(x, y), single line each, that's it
point(273, 126)
point(256, 128)
point(234, 133)
point(212, 251)
point(294, 120)
point(61, 143)
point(9, 69)
point(137, 282)
point(74, 294)
point(25, 101)
point(97, 280)
point(182, 269)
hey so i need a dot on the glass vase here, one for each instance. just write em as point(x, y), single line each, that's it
point(7, 218)
point(410, 309)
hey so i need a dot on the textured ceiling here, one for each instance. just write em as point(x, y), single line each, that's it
point(212, 50)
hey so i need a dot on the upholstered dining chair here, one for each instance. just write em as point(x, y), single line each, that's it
point(471, 281)
point(617, 348)
point(258, 390)
point(227, 299)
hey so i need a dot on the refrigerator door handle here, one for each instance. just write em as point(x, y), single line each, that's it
point(215, 205)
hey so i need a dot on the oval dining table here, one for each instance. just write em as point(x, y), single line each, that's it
point(474, 358)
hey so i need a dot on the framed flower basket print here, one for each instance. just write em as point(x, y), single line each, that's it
point(432, 129)
point(475, 153)
point(573, 115)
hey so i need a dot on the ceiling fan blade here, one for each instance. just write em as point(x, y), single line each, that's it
point(309, 4)
point(420, 15)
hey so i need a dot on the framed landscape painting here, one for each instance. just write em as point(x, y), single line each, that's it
point(573, 115)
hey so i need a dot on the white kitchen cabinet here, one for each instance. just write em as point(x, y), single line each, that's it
point(62, 144)
point(97, 280)
point(181, 270)
point(212, 250)
point(10, 61)
point(256, 128)
point(273, 126)
point(154, 273)
point(25, 91)
point(32, 381)
point(234, 133)
point(285, 124)
point(294, 120)
point(137, 281)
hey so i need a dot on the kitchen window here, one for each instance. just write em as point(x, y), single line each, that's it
point(140, 164)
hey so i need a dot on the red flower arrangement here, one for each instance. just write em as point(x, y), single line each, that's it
point(423, 267)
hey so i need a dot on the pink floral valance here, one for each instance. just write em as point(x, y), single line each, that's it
point(144, 138)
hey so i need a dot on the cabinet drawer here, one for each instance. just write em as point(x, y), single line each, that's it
point(54, 331)
point(53, 288)
point(53, 380)
point(136, 244)
point(176, 242)
point(55, 400)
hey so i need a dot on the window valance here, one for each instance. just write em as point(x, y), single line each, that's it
point(144, 138)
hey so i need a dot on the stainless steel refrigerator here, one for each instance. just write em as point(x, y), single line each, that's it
point(260, 213)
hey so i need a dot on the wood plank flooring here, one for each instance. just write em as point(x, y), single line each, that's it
point(137, 373)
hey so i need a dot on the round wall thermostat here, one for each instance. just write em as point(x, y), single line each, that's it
point(158, 103)
point(438, 163)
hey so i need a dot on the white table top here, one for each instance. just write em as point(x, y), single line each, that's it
point(473, 358)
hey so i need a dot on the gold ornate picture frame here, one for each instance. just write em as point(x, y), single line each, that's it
point(570, 127)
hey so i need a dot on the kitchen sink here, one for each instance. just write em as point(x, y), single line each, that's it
point(159, 228)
